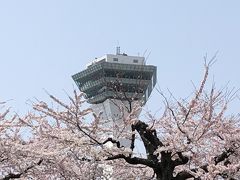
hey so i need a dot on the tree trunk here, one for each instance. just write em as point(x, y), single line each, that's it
point(164, 173)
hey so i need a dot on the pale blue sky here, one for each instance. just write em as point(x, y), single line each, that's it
point(42, 43)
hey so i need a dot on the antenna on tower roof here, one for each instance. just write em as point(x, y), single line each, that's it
point(118, 50)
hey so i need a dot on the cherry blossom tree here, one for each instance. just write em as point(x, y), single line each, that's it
point(14, 162)
point(195, 138)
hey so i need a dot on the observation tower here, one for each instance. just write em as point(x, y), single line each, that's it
point(111, 81)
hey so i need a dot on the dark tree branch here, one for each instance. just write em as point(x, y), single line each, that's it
point(181, 160)
point(133, 139)
point(223, 156)
point(18, 175)
point(134, 160)
point(183, 176)
point(149, 138)
point(113, 141)
point(88, 135)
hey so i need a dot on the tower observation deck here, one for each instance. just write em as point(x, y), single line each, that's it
point(119, 77)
